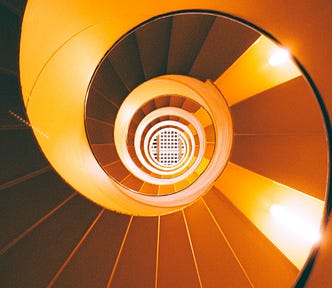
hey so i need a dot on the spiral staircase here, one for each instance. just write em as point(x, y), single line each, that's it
point(176, 155)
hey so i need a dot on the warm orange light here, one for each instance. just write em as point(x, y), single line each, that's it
point(289, 218)
point(296, 222)
point(262, 66)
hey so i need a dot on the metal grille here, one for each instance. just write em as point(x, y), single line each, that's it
point(167, 148)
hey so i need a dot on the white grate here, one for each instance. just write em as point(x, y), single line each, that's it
point(167, 147)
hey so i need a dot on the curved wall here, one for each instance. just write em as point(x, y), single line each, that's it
point(303, 28)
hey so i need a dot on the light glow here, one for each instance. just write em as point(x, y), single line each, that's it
point(279, 57)
point(295, 222)
point(289, 218)
point(257, 69)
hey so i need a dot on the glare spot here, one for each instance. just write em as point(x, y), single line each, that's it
point(279, 57)
point(295, 223)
